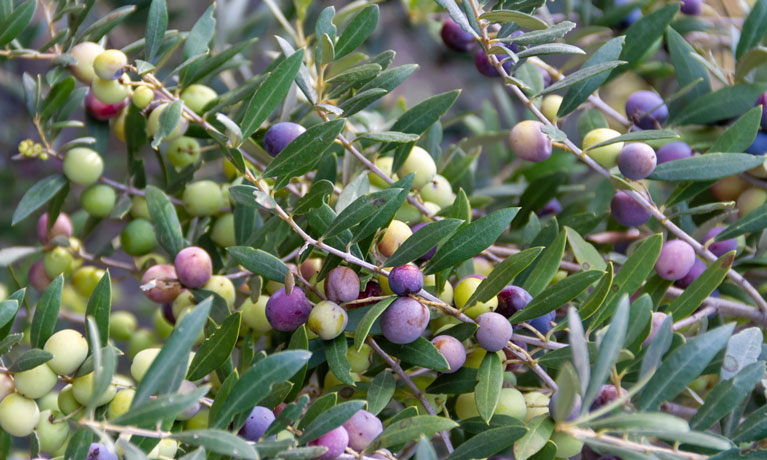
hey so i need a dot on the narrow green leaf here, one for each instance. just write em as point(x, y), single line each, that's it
point(216, 349)
point(657, 348)
point(550, 48)
point(580, 350)
point(259, 262)
point(271, 93)
point(546, 265)
point(727, 395)
point(100, 307)
point(421, 116)
point(30, 359)
point(8, 309)
point(156, 25)
point(169, 119)
point(363, 328)
point(585, 253)
point(470, 240)
point(597, 297)
point(580, 91)
point(643, 33)
point(165, 220)
point(503, 274)
point(335, 353)
point(643, 135)
point(46, 313)
point(488, 443)
point(539, 432)
point(537, 37)
point(38, 195)
point(407, 429)
point(388, 136)
point(174, 354)
point(218, 441)
point(489, 382)
point(525, 20)
point(581, 75)
point(708, 108)
point(381, 391)
point(419, 353)
point(301, 155)
point(556, 295)
point(164, 406)
point(753, 29)
point(358, 30)
point(57, 96)
point(423, 241)
point(753, 428)
point(331, 419)
point(689, 70)
point(694, 294)
point(754, 221)
point(462, 381)
point(359, 210)
point(739, 136)
point(609, 349)
point(15, 24)
point(682, 366)
point(254, 384)
point(318, 407)
point(706, 167)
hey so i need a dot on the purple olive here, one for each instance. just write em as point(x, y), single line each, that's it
point(62, 227)
point(484, 66)
point(405, 279)
point(342, 285)
point(455, 37)
point(762, 100)
point(637, 160)
point(258, 422)
point(100, 452)
point(627, 212)
point(512, 299)
point(720, 248)
point(193, 267)
point(646, 109)
point(675, 261)
point(494, 331)
point(673, 151)
point(453, 351)
point(697, 269)
point(288, 312)
point(692, 7)
point(279, 135)
point(404, 320)
point(362, 428)
point(655, 324)
point(336, 440)
point(759, 146)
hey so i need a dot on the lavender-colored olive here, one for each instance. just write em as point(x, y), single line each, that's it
point(279, 135)
point(405, 279)
point(542, 323)
point(512, 299)
point(720, 248)
point(62, 227)
point(342, 285)
point(404, 320)
point(100, 452)
point(607, 394)
point(632, 17)
point(646, 109)
point(336, 441)
point(455, 37)
point(676, 259)
point(528, 142)
point(453, 351)
point(637, 160)
point(552, 207)
point(257, 423)
point(697, 269)
point(494, 331)
point(193, 267)
point(657, 321)
point(362, 428)
point(692, 7)
point(288, 312)
point(626, 211)
point(673, 151)
point(484, 67)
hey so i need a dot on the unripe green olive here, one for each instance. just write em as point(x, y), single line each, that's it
point(446, 295)
point(99, 200)
point(142, 97)
point(419, 162)
point(606, 156)
point(142, 361)
point(254, 314)
point(183, 151)
point(511, 403)
point(109, 91)
point(385, 164)
point(18, 415)
point(138, 238)
point(122, 324)
point(550, 107)
point(328, 320)
point(109, 64)
point(121, 403)
point(197, 96)
point(51, 433)
point(153, 124)
point(567, 446)
point(82, 165)
point(118, 125)
point(49, 402)
point(396, 234)
point(223, 231)
point(465, 407)
point(203, 198)
point(166, 448)
point(162, 328)
point(438, 191)
point(139, 208)
point(67, 401)
point(57, 261)
point(85, 279)
point(222, 286)
point(750, 200)
point(360, 360)
point(408, 213)
point(199, 421)
point(182, 302)
point(433, 209)
point(82, 389)
point(140, 340)
point(84, 53)
point(36, 382)
point(537, 404)
point(463, 292)
point(69, 349)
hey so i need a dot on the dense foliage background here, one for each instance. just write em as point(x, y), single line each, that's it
point(436, 228)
